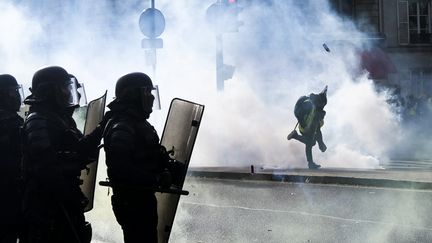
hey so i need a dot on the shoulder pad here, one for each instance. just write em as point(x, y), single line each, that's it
point(36, 130)
point(35, 121)
point(10, 121)
point(123, 126)
point(36, 115)
point(116, 124)
point(6, 116)
point(120, 135)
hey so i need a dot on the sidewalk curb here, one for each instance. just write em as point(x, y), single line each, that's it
point(314, 179)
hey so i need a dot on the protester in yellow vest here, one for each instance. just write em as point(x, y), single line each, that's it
point(309, 111)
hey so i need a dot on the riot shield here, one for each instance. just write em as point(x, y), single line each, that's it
point(79, 116)
point(179, 134)
point(23, 111)
point(94, 114)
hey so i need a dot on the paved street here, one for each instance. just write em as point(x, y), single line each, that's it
point(255, 208)
point(264, 211)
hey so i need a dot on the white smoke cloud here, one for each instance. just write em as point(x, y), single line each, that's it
point(278, 56)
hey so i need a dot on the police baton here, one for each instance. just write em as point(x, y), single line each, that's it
point(148, 188)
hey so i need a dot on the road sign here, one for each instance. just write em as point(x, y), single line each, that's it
point(152, 23)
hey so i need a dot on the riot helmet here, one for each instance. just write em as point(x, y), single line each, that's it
point(53, 85)
point(11, 93)
point(137, 89)
point(320, 100)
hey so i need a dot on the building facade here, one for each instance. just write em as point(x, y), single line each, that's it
point(405, 27)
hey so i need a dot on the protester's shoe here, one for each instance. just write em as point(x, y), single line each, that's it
point(322, 147)
point(292, 135)
point(312, 165)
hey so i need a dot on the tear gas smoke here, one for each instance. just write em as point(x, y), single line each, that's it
point(278, 55)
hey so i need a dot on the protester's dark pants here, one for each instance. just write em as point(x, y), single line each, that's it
point(310, 139)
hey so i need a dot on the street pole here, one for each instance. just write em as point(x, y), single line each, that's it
point(153, 50)
point(152, 25)
point(219, 63)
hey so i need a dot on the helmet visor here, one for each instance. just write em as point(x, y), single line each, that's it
point(82, 98)
point(17, 93)
point(13, 97)
point(156, 102)
point(82, 95)
point(150, 98)
point(67, 95)
point(20, 90)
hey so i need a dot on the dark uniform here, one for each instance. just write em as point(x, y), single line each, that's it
point(309, 111)
point(134, 158)
point(54, 155)
point(10, 164)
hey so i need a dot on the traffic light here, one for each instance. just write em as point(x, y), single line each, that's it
point(222, 16)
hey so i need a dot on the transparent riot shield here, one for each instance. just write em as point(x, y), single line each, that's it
point(93, 115)
point(179, 134)
point(79, 116)
point(23, 111)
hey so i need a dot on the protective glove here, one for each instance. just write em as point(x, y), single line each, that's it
point(177, 171)
point(164, 179)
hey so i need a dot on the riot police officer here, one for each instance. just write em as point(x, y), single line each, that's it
point(135, 160)
point(54, 155)
point(309, 111)
point(10, 152)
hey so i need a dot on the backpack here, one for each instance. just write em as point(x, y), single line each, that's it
point(302, 107)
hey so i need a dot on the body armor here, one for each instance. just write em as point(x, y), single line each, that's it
point(10, 176)
point(55, 153)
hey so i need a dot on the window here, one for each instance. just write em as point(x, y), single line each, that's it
point(421, 81)
point(343, 7)
point(419, 22)
point(415, 22)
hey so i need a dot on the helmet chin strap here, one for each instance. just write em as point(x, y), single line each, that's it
point(138, 109)
point(146, 113)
